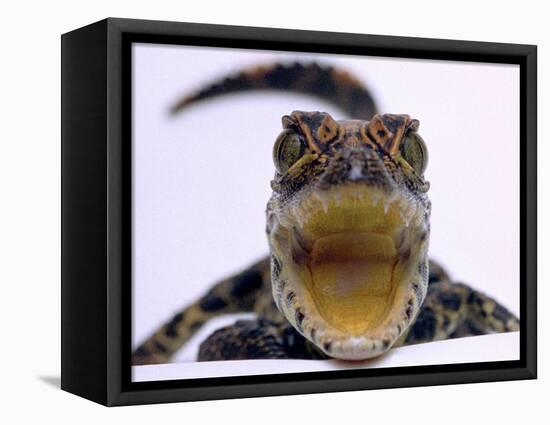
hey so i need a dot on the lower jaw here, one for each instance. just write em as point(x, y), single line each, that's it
point(351, 260)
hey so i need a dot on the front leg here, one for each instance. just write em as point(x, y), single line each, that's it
point(257, 339)
point(453, 310)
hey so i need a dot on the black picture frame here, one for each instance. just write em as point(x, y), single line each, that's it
point(96, 211)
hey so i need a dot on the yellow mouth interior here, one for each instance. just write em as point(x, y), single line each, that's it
point(355, 252)
point(352, 279)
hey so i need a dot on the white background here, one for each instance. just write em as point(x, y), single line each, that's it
point(201, 179)
point(30, 225)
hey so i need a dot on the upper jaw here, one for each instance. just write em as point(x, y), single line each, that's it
point(352, 208)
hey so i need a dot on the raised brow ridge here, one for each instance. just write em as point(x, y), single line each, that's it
point(325, 82)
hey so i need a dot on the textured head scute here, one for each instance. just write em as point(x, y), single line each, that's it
point(319, 129)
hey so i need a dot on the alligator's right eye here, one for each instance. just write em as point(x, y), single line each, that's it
point(289, 148)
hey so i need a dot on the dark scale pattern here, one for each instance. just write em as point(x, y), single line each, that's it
point(170, 329)
point(195, 325)
point(246, 283)
point(323, 84)
point(423, 270)
point(299, 319)
point(358, 103)
point(424, 327)
point(212, 302)
point(501, 313)
point(276, 266)
point(419, 294)
point(246, 339)
point(450, 300)
point(160, 347)
point(289, 298)
point(436, 273)
point(281, 77)
point(409, 310)
point(141, 352)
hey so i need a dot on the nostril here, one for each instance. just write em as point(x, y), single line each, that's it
point(355, 165)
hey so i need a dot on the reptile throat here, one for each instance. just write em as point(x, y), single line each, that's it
point(351, 279)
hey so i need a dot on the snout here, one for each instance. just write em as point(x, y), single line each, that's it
point(357, 165)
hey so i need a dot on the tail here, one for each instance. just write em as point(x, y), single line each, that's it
point(238, 293)
point(325, 82)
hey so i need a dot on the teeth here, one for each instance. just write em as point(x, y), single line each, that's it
point(297, 215)
point(390, 200)
point(304, 246)
point(285, 220)
point(407, 214)
point(399, 238)
point(375, 198)
point(300, 220)
point(322, 200)
point(395, 207)
point(407, 219)
point(404, 217)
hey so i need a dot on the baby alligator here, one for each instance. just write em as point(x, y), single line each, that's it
point(348, 226)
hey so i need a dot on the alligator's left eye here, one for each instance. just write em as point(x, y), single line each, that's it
point(289, 148)
point(414, 151)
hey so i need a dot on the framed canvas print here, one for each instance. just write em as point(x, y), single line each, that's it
point(252, 211)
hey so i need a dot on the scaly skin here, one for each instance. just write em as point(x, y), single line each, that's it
point(348, 228)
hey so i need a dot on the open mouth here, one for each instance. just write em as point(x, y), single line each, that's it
point(355, 251)
point(352, 279)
